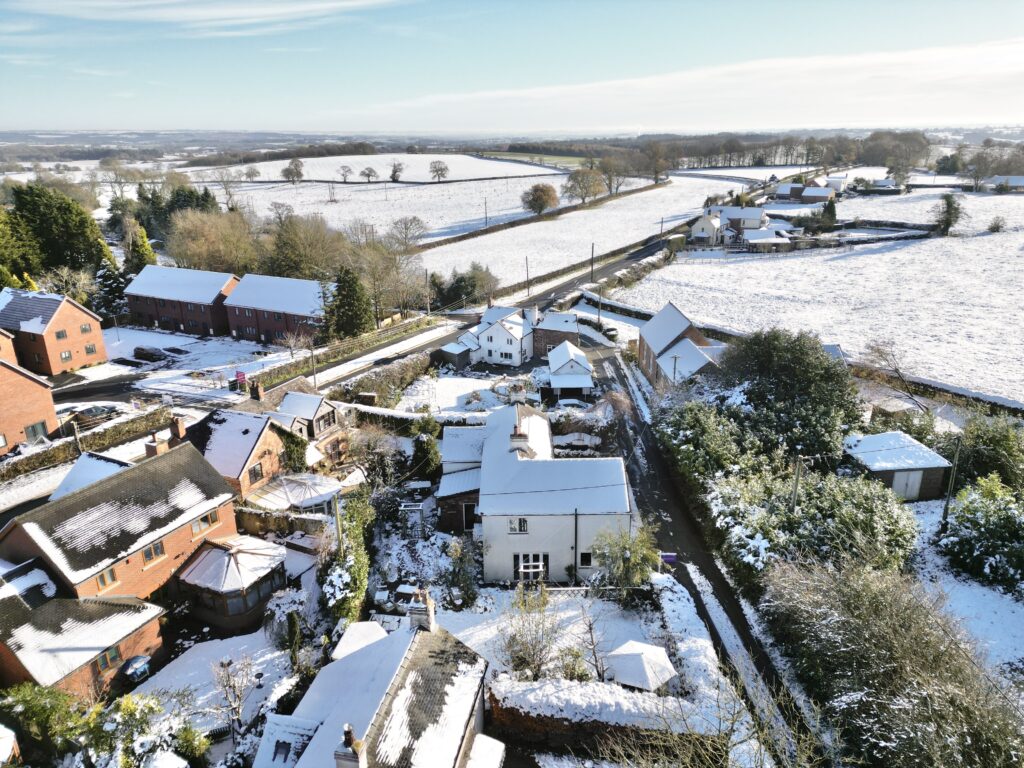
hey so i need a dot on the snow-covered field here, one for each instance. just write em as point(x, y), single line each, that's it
point(754, 173)
point(450, 393)
point(446, 209)
point(995, 619)
point(556, 243)
point(950, 304)
point(417, 167)
point(918, 207)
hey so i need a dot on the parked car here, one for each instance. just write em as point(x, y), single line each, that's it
point(94, 412)
point(150, 354)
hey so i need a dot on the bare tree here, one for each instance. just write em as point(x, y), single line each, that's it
point(396, 170)
point(293, 171)
point(251, 173)
point(228, 180)
point(344, 172)
point(592, 642)
point(235, 679)
point(119, 176)
point(529, 633)
point(369, 173)
point(583, 184)
point(613, 171)
point(888, 358)
point(438, 170)
point(76, 283)
point(405, 233)
point(293, 340)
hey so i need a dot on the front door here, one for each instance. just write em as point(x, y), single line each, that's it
point(468, 516)
point(907, 485)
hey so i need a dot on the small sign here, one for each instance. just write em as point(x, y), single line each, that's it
point(136, 405)
point(669, 558)
point(167, 399)
point(240, 377)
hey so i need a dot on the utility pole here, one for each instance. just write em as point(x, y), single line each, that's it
point(662, 232)
point(949, 488)
point(796, 482)
point(591, 262)
point(426, 282)
point(675, 360)
point(78, 440)
point(527, 275)
point(486, 219)
point(312, 357)
point(575, 545)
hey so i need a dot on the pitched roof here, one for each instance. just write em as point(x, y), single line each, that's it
point(683, 360)
point(455, 483)
point(278, 294)
point(88, 468)
point(232, 565)
point(664, 328)
point(560, 321)
point(179, 284)
point(566, 353)
point(892, 451)
point(737, 212)
point(462, 445)
point(227, 438)
point(93, 527)
point(51, 632)
point(358, 635)
point(301, 404)
point(494, 314)
point(31, 311)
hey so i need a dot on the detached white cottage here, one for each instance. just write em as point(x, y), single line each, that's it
point(538, 515)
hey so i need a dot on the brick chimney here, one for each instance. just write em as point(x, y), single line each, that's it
point(421, 611)
point(350, 752)
point(177, 429)
point(256, 391)
point(155, 446)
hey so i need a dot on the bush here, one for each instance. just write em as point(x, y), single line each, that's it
point(998, 224)
point(426, 459)
point(626, 561)
point(834, 518)
point(985, 537)
point(387, 382)
point(701, 442)
point(896, 676)
point(344, 578)
point(990, 444)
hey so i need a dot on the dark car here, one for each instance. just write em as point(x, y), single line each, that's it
point(150, 354)
point(96, 412)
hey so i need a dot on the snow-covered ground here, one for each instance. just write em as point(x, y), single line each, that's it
point(550, 245)
point(754, 173)
point(948, 303)
point(417, 167)
point(450, 393)
point(995, 619)
point(194, 670)
point(628, 327)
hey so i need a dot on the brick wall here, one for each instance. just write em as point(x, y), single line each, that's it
point(25, 402)
point(87, 680)
point(267, 326)
point(268, 455)
point(41, 352)
point(542, 339)
point(7, 348)
point(136, 578)
point(451, 517)
point(181, 316)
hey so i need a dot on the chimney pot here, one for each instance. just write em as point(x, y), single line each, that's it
point(349, 739)
point(178, 428)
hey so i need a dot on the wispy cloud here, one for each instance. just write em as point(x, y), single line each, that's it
point(26, 59)
point(290, 49)
point(199, 18)
point(940, 85)
point(96, 72)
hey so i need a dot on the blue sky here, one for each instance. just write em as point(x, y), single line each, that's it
point(495, 67)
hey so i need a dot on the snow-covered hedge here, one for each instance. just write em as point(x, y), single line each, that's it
point(387, 382)
point(985, 537)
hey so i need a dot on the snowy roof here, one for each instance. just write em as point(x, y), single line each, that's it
point(517, 325)
point(664, 328)
point(455, 348)
point(683, 360)
point(731, 212)
point(53, 633)
point(560, 321)
point(462, 444)
point(284, 738)
point(566, 353)
point(787, 187)
point(759, 235)
point(91, 528)
point(301, 404)
point(164, 758)
point(890, 451)
point(835, 351)
point(520, 477)
point(818, 192)
point(486, 752)
point(296, 491)
point(492, 315)
point(278, 294)
point(31, 311)
point(232, 565)
point(179, 284)
point(227, 438)
point(641, 665)
point(358, 635)
point(88, 468)
point(454, 483)
point(8, 741)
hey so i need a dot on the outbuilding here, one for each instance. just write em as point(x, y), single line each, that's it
point(914, 471)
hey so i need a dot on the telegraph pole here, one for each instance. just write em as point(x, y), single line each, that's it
point(949, 488)
point(591, 262)
point(527, 275)
point(426, 283)
point(675, 360)
point(486, 219)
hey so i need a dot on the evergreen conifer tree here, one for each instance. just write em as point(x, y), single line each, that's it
point(137, 250)
point(349, 311)
point(109, 300)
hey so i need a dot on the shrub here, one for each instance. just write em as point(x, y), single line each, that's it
point(985, 537)
point(426, 459)
point(701, 442)
point(626, 561)
point(998, 224)
point(344, 577)
point(990, 444)
point(463, 573)
point(897, 677)
point(387, 381)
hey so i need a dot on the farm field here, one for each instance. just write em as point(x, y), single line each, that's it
point(556, 243)
point(417, 167)
point(561, 161)
point(754, 173)
point(446, 209)
point(949, 304)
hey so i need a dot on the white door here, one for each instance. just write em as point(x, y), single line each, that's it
point(907, 485)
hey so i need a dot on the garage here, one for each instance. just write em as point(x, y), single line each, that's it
point(911, 469)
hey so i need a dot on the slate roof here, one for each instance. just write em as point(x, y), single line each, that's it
point(31, 311)
point(683, 360)
point(227, 438)
point(51, 632)
point(301, 404)
point(88, 468)
point(93, 527)
point(278, 294)
point(559, 321)
point(892, 451)
point(178, 284)
point(664, 328)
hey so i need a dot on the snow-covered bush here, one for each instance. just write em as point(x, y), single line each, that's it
point(344, 578)
point(834, 518)
point(896, 676)
point(985, 537)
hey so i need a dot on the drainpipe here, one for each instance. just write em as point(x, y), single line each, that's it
point(575, 545)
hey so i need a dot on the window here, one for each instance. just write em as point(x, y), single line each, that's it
point(206, 521)
point(193, 323)
point(108, 659)
point(106, 579)
point(329, 419)
point(248, 313)
point(490, 352)
point(506, 355)
point(490, 338)
point(190, 307)
point(85, 327)
point(518, 525)
point(237, 311)
point(509, 342)
point(62, 334)
point(65, 356)
point(266, 315)
point(161, 302)
point(278, 316)
point(35, 431)
point(90, 349)
point(532, 566)
point(586, 560)
point(37, 357)
point(256, 472)
point(153, 552)
point(278, 334)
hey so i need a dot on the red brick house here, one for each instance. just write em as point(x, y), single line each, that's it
point(7, 347)
point(671, 349)
point(27, 413)
point(52, 333)
point(264, 308)
point(96, 555)
point(184, 300)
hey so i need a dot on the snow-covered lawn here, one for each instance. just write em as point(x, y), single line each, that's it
point(449, 392)
point(446, 209)
point(950, 304)
point(995, 619)
point(550, 245)
point(194, 670)
point(754, 173)
point(628, 327)
point(417, 167)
